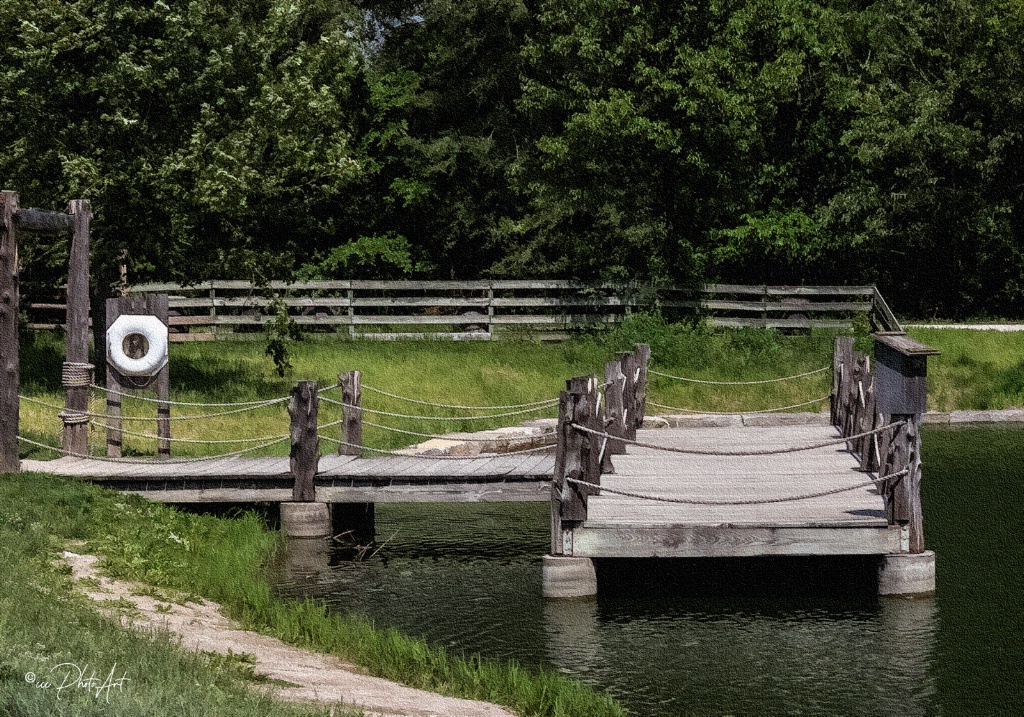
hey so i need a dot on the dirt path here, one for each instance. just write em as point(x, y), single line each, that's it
point(315, 677)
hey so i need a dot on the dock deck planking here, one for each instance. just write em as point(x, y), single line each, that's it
point(850, 522)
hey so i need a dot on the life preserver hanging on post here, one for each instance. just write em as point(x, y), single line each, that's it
point(137, 345)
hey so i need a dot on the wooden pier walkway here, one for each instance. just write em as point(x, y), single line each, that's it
point(339, 479)
point(848, 522)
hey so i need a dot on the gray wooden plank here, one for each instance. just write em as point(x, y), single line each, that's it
point(709, 541)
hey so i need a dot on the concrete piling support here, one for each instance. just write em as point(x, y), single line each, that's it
point(568, 577)
point(306, 520)
point(907, 574)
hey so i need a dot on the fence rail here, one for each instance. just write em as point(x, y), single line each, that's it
point(547, 309)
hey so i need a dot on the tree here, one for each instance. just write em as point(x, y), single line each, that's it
point(212, 138)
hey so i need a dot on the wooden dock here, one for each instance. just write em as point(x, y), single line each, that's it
point(844, 523)
point(339, 479)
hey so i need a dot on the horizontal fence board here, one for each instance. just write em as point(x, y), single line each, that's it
point(820, 290)
point(790, 305)
point(733, 289)
point(454, 336)
point(378, 319)
point(183, 338)
point(531, 301)
point(729, 322)
point(419, 301)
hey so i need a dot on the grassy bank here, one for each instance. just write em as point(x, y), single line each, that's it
point(979, 370)
point(45, 624)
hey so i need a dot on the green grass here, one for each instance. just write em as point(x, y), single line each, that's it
point(223, 560)
point(977, 370)
point(981, 370)
point(44, 623)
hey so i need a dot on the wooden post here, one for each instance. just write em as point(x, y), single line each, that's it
point(305, 452)
point(615, 423)
point(628, 363)
point(577, 456)
point(77, 373)
point(901, 392)
point(565, 406)
point(352, 415)
point(641, 354)
point(841, 354)
point(9, 356)
point(213, 310)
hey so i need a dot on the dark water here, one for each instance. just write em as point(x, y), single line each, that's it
point(730, 637)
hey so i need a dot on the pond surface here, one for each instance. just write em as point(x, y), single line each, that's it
point(740, 637)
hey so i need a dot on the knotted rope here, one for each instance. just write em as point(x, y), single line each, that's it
point(763, 501)
point(740, 383)
point(738, 413)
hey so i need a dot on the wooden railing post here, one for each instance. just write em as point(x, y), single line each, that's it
point(615, 422)
point(577, 457)
point(641, 356)
point(77, 373)
point(901, 393)
point(352, 415)
point(627, 361)
point(842, 356)
point(9, 357)
point(305, 451)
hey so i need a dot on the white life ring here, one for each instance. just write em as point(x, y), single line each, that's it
point(150, 328)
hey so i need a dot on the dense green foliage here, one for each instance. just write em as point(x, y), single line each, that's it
point(782, 141)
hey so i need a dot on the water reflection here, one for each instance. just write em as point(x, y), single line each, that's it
point(304, 561)
point(468, 578)
point(745, 657)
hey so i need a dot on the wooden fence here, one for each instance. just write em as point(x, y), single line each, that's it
point(488, 309)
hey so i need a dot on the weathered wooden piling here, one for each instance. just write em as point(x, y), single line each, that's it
point(303, 409)
point(352, 414)
point(9, 357)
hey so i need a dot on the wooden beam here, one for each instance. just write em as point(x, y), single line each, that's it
point(686, 541)
point(9, 356)
point(41, 220)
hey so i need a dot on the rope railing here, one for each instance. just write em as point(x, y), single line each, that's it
point(256, 403)
point(738, 413)
point(155, 462)
point(762, 501)
point(767, 452)
point(173, 439)
point(739, 383)
point(432, 456)
point(461, 439)
point(437, 418)
point(90, 414)
point(546, 402)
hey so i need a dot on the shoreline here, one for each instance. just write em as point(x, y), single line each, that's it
point(292, 673)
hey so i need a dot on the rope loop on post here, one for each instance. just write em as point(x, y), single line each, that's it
point(73, 418)
point(76, 375)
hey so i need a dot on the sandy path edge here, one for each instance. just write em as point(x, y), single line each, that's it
point(319, 677)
